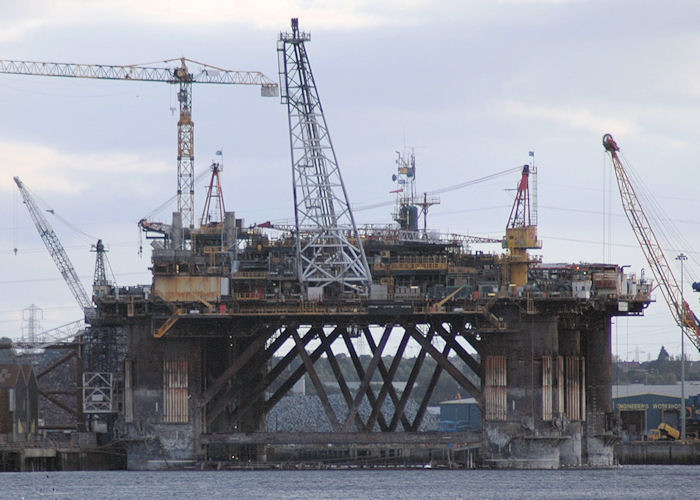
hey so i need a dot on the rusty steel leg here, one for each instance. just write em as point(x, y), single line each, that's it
point(320, 391)
point(224, 400)
point(361, 375)
point(364, 384)
point(388, 380)
point(238, 363)
point(340, 378)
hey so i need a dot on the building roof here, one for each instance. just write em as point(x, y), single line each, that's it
point(9, 375)
point(28, 371)
point(691, 388)
point(465, 401)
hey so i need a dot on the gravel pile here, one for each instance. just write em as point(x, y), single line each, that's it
point(305, 413)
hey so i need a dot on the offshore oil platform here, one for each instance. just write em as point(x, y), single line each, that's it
point(185, 369)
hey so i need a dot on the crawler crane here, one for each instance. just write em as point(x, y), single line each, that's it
point(653, 252)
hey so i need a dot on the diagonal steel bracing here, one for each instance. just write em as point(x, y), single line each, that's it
point(429, 392)
point(300, 371)
point(340, 378)
point(406, 394)
point(364, 384)
point(450, 338)
point(320, 391)
point(445, 363)
point(239, 362)
point(388, 377)
point(361, 375)
point(274, 373)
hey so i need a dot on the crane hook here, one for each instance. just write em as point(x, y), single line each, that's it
point(609, 143)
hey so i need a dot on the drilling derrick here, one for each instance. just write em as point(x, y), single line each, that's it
point(100, 285)
point(330, 257)
point(213, 212)
point(521, 232)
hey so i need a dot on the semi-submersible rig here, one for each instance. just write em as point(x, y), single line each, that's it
point(236, 315)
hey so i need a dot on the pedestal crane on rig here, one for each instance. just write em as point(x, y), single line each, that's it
point(57, 252)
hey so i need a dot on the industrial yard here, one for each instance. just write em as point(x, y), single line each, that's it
point(215, 363)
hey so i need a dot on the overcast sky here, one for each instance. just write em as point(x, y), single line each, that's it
point(472, 86)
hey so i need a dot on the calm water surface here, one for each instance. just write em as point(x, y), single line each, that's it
point(638, 482)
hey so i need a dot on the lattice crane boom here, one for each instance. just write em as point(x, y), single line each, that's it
point(57, 252)
point(177, 75)
point(649, 243)
point(332, 256)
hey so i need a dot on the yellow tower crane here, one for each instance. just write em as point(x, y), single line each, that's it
point(521, 232)
point(181, 75)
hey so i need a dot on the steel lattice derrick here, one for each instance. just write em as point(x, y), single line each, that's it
point(332, 254)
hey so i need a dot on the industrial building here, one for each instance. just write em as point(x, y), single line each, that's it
point(643, 408)
point(460, 415)
point(19, 403)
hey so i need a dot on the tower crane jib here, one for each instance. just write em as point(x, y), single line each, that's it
point(180, 75)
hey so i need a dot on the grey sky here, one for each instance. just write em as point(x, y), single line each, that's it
point(472, 86)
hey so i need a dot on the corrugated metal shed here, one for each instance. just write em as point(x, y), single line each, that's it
point(460, 415)
point(640, 413)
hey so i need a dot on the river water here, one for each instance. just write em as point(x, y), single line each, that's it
point(637, 482)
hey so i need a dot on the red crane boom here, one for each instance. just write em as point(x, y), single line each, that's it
point(651, 248)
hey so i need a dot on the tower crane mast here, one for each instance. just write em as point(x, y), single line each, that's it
point(644, 232)
point(178, 75)
point(57, 252)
